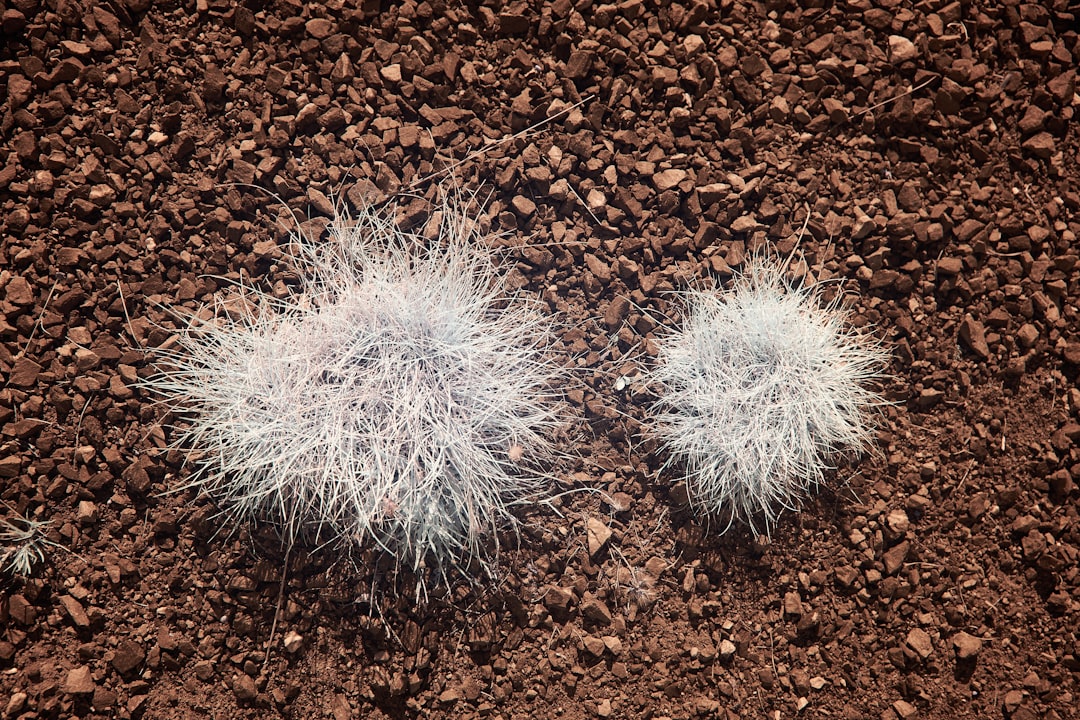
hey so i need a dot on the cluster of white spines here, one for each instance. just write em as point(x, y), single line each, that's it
point(397, 399)
point(761, 387)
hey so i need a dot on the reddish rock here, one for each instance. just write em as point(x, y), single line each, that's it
point(79, 681)
point(128, 656)
point(967, 646)
point(244, 688)
point(919, 641)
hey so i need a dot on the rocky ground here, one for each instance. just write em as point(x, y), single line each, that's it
point(923, 156)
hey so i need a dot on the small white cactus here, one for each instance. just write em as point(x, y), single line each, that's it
point(760, 388)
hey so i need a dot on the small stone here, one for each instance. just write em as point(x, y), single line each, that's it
point(1012, 701)
point(10, 466)
point(693, 44)
point(391, 73)
point(973, 334)
point(779, 109)
point(523, 206)
point(19, 292)
point(293, 642)
point(1033, 120)
point(88, 511)
point(103, 699)
point(655, 567)
point(593, 645)
point(514, 23)
point(894, 557)
point(598, 267)
point(904, 710)
point(846, 576)
point(102, 195)
point(901, 49)
point(264, 249)
point(1027, 335)
point(744, 224)
point(897, 521)
point(343, 70)
point(836, 110)
point(1063, 87)
point(579, 64)
point(24, 373)
point(595, 199)
point(75, 611)
point(727, 649)
point(19, 90)
point(616, 313)
point(596, 612)
point(929, 397)
point(598, 535)
point(128, 656)
point(557, 600)
point(15, 704)
point(620, 502)
point(214, 84)
point(204, 670)
point(12, 21)
point(793, 605)
point(919, 641)
point(950, 266)
point(319, 28)
point(864, 225)
point(79, 681)
point(1041, 145)
point(1072, 353)
point(711, 193)
point(21, 611)
point(668, 179)
point(967, 646)
point(603, 709)
point(244, 687)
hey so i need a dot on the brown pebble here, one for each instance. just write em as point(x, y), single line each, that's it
point(901, 49)
point(244, 687)
point(319, 28)
point(128, 656)
point(75, 611)
point(79, 681)
point(21, 611)
point(894, 557)
point(616, 312)
point(973, 334)
point(595, 612)
point(919, 641)
point(24, 374)
point(593, 645)
point(793, 605)
point(967, 646)
point(668, 179)
point(904, 710)
point(597, 534)
point(1041, 145)
point(557, 600)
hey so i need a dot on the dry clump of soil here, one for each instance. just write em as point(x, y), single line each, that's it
point(930, 151)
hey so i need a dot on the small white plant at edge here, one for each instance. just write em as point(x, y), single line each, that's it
point(760, 388)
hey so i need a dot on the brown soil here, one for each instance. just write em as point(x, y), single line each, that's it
point(933, 146)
